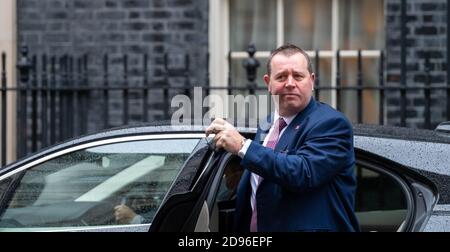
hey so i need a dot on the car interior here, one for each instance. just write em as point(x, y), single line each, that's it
point(380, 201)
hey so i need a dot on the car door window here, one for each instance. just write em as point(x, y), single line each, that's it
point(381, 200)
point(97, 186)
point(223, 205)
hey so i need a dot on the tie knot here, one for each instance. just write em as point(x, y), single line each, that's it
point(281, 124)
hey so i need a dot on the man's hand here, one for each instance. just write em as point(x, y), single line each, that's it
point(227, 136)
point(123, 214)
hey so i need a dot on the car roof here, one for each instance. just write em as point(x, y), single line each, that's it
point(401, 133)
point(359, 130)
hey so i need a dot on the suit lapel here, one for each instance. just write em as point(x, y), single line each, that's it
point(294, 127)
point(285, 139)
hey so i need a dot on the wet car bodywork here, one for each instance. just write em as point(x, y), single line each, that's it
point(414, 163)
point(426, 152)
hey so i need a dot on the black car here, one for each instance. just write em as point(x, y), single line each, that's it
point(173, 180)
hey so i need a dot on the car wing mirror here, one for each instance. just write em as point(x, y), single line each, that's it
point(443, 128)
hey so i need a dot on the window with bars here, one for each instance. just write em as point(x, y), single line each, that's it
point(317, 26)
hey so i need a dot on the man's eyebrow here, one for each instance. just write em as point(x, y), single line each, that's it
point(299, 72)
point(280, 72)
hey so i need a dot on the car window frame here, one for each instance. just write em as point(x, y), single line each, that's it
point(96, 143)
point(213, 190)
point(409, 179)
point(192, 200)
point(401, 181)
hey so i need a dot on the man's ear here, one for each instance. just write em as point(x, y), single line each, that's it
point(313, 78)
point(267, 81)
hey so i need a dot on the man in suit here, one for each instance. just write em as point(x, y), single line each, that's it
point(300, 173)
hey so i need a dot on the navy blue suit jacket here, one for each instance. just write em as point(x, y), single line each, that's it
point(309, 182)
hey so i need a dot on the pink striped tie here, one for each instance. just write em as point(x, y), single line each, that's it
point(272, 141)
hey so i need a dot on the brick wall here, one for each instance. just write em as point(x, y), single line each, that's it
point(426, 32)
point(118, 27)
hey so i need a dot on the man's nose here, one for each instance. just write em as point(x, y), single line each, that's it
point(290, 81)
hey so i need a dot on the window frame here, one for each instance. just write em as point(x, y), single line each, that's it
point(220, 53)
point(365, 161)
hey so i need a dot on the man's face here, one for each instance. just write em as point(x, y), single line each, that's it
point(291, 81)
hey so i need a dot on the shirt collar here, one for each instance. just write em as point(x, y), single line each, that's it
point(288, 120)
